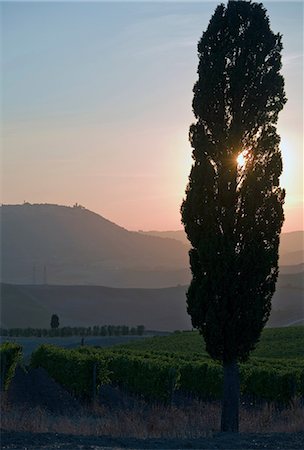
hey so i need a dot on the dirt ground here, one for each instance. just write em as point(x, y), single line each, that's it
point(223, 441)
point(36, 388)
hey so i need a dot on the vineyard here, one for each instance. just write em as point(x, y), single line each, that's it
point(160, 367)
point(282, 343)
point(10, 356)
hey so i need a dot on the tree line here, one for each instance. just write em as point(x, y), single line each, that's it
point(96, 330)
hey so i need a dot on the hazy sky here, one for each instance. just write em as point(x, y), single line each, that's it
point(96, 105)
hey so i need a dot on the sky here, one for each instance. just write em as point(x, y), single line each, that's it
point(96, 106)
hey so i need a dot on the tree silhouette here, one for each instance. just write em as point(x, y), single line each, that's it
point(54, 321)
point(233, 209)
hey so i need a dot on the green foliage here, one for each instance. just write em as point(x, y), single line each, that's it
point(54, 321)
point(233, 213)
point(154, 368)
point(301, 384)
point(96, 330)
point(189, 343)
point(152, 378)
point(72, 369)
point(155, 375)
point(202, 379)
point(10, 356)
point(278, 343)
point(276, 380)
point(275, 371)
point(285, 342)
point(271, 384)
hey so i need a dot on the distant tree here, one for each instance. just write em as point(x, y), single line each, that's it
point(140, 330)
point(104, 330)
point(110, 330)
point(54, 321)
point(117, 330)
point(95, 331)
point(233, 210)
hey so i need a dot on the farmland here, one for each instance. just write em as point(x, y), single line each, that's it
point(29, 344)
point(159, 367)
point(274, 343)
point(172, 377)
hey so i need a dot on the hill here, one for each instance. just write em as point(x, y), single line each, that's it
point(64, 245)
point(158, 309)
point(284, 343)
point(32, 306)
point(73, 246)
point(291, 245)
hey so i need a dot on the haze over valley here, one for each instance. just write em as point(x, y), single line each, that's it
point(76, 262)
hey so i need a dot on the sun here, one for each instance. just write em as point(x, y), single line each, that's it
point(242, 159)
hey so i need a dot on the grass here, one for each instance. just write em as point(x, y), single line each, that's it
point(150, 421)
point(285, 343)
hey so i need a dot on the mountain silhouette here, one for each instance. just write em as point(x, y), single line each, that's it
point(157, 309)
point(52, 244)
point(58, 258)
point(291, 245)
point(44, 243)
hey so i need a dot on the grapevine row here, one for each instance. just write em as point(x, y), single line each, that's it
point(10, 356)
point(157, 376)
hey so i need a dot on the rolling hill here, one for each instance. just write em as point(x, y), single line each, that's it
point(291, 245)
point(73, 246)
point(158, 309)
point(82, 252)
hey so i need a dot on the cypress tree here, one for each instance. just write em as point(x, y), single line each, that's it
point(54, 321)
point(233, 208)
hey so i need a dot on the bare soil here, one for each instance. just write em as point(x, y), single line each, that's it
point(223, 441)
point(36, 388)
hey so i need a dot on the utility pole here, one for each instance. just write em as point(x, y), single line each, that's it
point(34, 274)
point(44, 275)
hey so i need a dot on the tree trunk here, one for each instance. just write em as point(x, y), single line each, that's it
point(231, 398)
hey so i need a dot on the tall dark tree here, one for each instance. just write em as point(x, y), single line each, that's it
point(54, 321)
point(233, 209)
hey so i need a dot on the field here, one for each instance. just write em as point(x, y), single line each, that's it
point(157, 309)
point(30, 344)
point(274, 343)
point(158, 392)
point(160, 368)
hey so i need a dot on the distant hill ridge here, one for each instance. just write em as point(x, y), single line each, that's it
point(46, 243)
point(73, 245)
point(159, 309)
point(291, 245)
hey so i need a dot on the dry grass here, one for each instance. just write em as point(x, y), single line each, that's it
point(150, 421)
point(268, 419)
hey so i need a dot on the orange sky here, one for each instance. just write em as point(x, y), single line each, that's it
point(97, 107)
